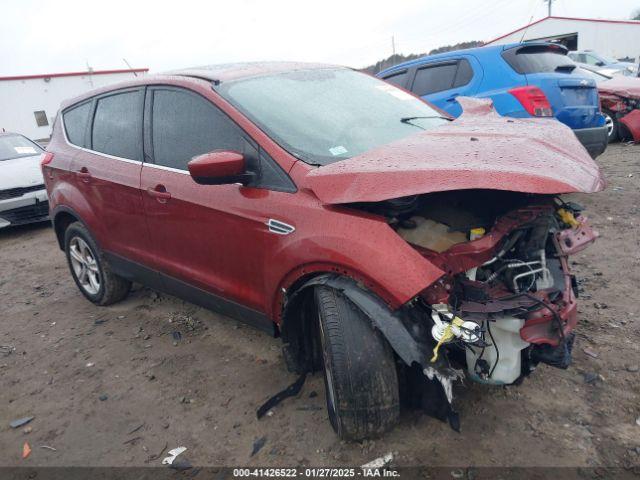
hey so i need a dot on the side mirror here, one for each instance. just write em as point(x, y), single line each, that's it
point(600, 64)
point(219, 168)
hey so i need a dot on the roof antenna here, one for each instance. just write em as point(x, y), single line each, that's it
point(130, 68)
point(525, 30)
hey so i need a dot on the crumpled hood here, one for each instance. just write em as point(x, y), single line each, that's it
point(20, 172)
point(628, 87)
point(479, 150)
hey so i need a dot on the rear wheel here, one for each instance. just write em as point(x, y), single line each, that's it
point(89, 269)
point(613, 126)
point(360, 376)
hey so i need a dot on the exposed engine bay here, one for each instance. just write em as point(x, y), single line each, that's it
point(508, 299)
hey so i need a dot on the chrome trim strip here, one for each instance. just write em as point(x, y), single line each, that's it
point(169, 169)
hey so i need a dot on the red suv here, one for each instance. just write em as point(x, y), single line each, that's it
point(389, 246)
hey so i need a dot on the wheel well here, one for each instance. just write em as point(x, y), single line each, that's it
point(299, 330)
point(61, 222)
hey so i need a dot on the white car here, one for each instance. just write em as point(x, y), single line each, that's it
point(23, 198)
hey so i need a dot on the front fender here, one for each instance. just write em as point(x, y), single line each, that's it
point(378, 258)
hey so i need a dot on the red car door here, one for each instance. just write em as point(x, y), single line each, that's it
point(211, 237)
point(107, 172)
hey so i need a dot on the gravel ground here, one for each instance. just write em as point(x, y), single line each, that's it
point(112, 387)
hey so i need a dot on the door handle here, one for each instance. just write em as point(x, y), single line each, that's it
point(453, 97)
point(159, 192)
point(83, 174)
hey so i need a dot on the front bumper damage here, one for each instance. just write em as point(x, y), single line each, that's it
point(448, 332)
point(626, 108)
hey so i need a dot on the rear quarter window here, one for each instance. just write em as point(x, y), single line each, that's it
point(75, 123)
point(399, 79)
point(536, 59)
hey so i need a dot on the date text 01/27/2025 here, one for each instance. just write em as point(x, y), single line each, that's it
point(364, 471)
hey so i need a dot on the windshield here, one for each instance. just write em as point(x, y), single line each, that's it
point(17, 146)
point(605, 59)
point(325, 115)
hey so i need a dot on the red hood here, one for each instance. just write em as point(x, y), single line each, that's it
point(628, 87)
point(478, 150)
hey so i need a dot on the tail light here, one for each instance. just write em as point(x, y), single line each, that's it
point(533, 100)
point(46, 158)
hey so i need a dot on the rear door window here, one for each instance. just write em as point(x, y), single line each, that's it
point(399, 79)
point(434, 79)
point(536, 58)
point(75, 123)
point(185, 125)
point(117, 125)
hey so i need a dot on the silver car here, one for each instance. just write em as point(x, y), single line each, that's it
point(23, 198)
point(602, 64)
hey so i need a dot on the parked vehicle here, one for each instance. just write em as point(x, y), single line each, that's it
point(380, 240)
point(523, 80)
point(620, 104)
point(23, 198)
point(602, 63)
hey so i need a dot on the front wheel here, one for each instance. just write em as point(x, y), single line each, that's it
point(90, 270)
point(361, 381)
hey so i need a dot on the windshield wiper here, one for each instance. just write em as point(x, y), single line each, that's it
point(408, 120)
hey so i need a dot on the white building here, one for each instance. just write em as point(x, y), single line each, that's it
point(614, 38)
point(29, 103)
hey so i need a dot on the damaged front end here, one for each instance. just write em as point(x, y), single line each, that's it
point(478, 200)
point(625, 107)
point(507, 300)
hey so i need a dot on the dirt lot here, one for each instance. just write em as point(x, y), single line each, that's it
point(113, 387)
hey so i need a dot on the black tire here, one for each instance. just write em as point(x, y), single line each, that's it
point(361, 382)
point(614, 129)
point(112, 288)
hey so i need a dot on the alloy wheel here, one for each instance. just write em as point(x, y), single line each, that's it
point(85, 266)
point(608, 121)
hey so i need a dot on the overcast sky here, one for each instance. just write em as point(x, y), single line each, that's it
point(58, 36)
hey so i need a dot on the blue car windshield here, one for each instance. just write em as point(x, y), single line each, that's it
point(329, 114)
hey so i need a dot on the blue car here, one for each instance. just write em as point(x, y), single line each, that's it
point(523, 80)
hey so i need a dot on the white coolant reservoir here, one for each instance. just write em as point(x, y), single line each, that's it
point(503, 353)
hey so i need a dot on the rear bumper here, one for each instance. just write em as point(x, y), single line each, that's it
point(593, 139)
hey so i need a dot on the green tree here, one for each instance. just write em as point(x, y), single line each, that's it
point(636, 14)
point(400, 58)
